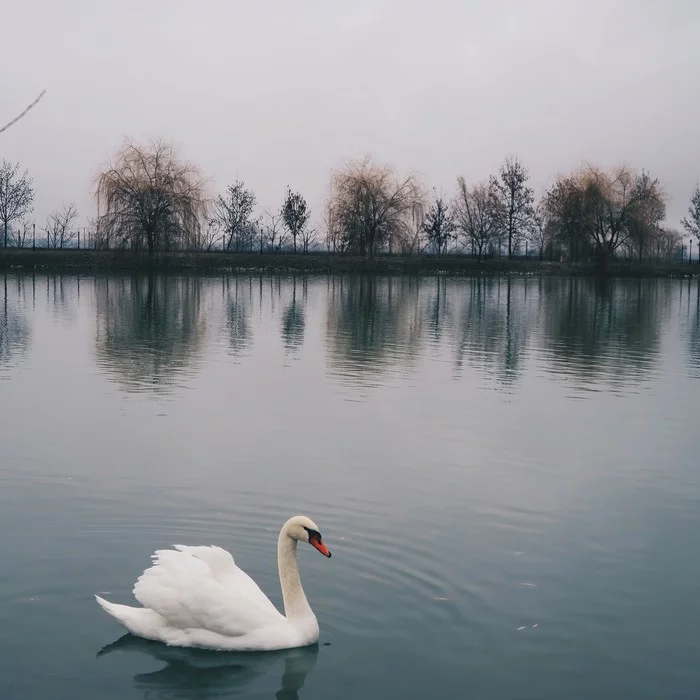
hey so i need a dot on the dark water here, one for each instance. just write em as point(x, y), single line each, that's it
point(507, 473)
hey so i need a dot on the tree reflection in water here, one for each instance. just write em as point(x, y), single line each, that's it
point(492, 327)
point(602, 330)
point(294, 317)
point(15, 335)
point(693, 332)
point(574, 328)
point(374, 325)
point(238, 295)
point(150, 330)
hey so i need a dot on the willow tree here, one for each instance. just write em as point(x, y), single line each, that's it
point(691, 223)
point(371, 206)
point(565, 209)
point(616, 205)
point(606, 211)
point(149, 199)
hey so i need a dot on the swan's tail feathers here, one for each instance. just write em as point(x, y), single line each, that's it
point(139, 621)
point(112, 609)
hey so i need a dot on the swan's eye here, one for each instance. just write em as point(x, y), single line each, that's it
point(313, 534)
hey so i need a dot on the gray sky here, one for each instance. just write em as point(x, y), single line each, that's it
point(280, 93)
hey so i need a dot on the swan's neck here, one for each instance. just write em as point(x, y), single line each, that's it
point(295, 603)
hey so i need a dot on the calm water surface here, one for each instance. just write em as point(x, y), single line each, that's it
point(507, 473)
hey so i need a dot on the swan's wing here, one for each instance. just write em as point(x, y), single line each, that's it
point(202, 588)
point(228, 574)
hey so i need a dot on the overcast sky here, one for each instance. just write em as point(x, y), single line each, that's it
point(280, 92)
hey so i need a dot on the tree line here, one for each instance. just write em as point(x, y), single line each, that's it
point(151, 200)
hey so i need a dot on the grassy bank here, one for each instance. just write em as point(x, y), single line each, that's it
point(102, 260)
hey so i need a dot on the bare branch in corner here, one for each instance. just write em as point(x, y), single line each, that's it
point(19, 116)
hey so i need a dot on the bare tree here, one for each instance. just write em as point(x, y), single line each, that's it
point(273, 232)
point(649, 212)
point(541, 227)
point(100, 238)
point(691, 223)
point(16, 195)
point(439, 225)
point(262, 233)
point(516, 200)
point(371, 206)
point(60, 229)
point(295, 214)
point(669, 242)
point(21, 235)
point(23, 113)
point(477, 215)
point(234, 215)
point(308, 238)
point(333, 239)
point(149, 198)
point(208, 238)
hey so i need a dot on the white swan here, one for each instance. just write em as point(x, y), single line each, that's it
point(198, 597)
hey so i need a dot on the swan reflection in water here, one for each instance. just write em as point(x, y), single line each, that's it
point(201, 674)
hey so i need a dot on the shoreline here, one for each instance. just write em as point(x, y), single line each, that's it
point(74, 260)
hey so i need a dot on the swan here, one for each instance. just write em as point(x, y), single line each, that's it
point(197, 597)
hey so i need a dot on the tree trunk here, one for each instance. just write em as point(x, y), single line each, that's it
point(5, 233)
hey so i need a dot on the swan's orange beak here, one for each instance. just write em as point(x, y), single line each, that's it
point(317, 542)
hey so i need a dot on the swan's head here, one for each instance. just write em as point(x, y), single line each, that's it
point(304, 529)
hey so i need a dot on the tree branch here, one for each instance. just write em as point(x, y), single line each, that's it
point(19, 116)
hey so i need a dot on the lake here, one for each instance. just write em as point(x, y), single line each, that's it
point(507, 472)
